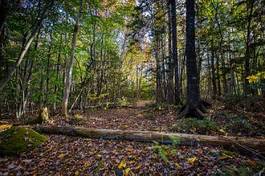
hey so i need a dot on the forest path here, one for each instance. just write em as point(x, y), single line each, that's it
point(136, 117)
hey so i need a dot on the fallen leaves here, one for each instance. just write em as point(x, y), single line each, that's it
point(122, 164)
point(192, 160)
point(63, 155)
point(78, 156)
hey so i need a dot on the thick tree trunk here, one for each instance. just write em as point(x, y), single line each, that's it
point(150, 136)
point(194, 106)
point(69, 67)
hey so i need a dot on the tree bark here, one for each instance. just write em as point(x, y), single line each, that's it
point(170, 85)
point(69, 67)
point(174, 49)
point(194, 107)
point(250, 6)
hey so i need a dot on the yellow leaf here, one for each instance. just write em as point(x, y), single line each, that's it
point(61, 156)
point(192, 160)
point(4, 127)
point(252, 79)
point(77, 173)
point(122, 164)
point(126, 172)
point(177, 165)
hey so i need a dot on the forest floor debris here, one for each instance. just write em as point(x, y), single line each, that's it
point(62, 155)
point(218, 122)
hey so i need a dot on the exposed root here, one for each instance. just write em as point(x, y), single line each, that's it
point(188, 111)
point(197, 111)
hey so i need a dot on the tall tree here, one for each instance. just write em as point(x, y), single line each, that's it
point(70, 64)
point(174, 49)
point(193, 107)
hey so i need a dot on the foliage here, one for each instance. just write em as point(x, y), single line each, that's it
point(123, 102)
point(164, 151)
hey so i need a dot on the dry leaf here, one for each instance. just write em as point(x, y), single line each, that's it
point(192, 160)
point(122, 164)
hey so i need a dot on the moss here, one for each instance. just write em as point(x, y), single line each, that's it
point(17, 139)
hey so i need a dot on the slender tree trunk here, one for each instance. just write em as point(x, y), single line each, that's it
point(174, 50)
point(250, 5)
point(170, 85)
point(48, 71)
point(213, 73)
point(70, 64)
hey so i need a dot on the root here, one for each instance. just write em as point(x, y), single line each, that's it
point(196, 112)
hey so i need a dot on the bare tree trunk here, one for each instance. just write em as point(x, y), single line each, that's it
point(69, 67)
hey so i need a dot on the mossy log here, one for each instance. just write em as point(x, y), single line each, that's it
point(150, 136)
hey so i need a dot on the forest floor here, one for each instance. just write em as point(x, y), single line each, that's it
point(62, 155)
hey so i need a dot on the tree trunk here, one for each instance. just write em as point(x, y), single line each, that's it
point(213, 73)
point(250, 5)
point(193, 108)
point(69, 67)
point(150, 136)
point(170, 85)
point(174, 50)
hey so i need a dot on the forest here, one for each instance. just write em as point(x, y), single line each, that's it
point(132, 87)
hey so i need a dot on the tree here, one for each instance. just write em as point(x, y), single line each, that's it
point(70, 64)
point(194, 106)
point(174, 50)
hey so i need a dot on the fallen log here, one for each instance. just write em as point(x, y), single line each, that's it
point(150, 136)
